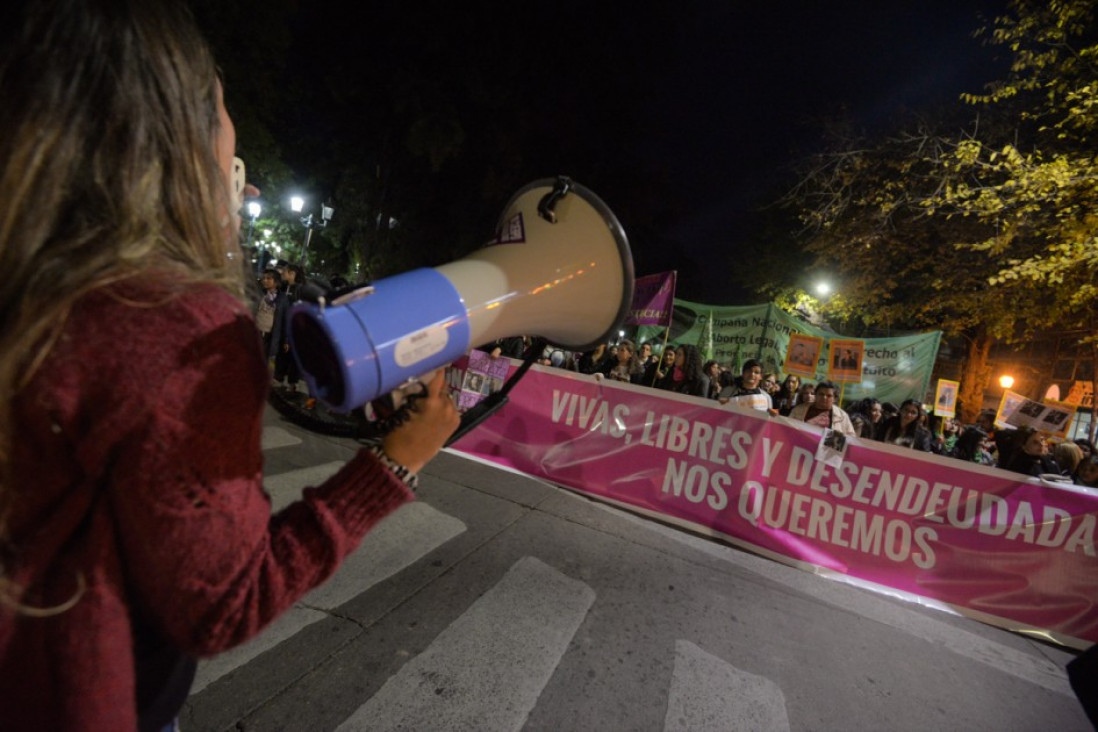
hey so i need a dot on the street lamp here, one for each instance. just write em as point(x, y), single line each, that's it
point(297, 203)
point(254, 208)
point(1006, 381)
point(823, 289)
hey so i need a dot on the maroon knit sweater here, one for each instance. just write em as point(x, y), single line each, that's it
point(139, 477)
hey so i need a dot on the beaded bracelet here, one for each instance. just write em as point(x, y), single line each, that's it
point(400, 471)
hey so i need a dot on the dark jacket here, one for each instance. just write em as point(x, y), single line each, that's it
point(918, 439)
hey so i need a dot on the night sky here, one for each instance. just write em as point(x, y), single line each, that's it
point(685, 119)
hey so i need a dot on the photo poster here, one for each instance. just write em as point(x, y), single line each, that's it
point(844, 363)
point(483, 376)
point(1007, 405)
point(945, 398)
point(802, 355)
point(1053, 418)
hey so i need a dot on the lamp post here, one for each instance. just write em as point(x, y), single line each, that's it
point(297, 203)
point(254, 209)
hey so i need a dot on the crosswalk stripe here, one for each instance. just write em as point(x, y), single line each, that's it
point(708, 693)
point(412, 532)
point(285, 488)
point(400, 540)
point(274, 437)
point(482, 671)
point(1031, 668)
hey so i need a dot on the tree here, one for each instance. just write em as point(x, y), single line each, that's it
point(898, 266)
point(1036, 193)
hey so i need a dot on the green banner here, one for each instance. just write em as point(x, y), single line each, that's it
point(894, 369)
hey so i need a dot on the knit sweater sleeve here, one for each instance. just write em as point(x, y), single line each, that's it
point(202, 552)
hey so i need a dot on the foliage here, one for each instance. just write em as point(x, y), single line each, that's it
point(1037, 192)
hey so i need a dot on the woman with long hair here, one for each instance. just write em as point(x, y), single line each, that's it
point(685, 375)
point(135, 534)
point(865, 415)
point(1030, 454)
point(905, 429)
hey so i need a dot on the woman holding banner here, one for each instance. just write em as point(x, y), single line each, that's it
point(685, 375)
point(906, 430)
point(1030, 455)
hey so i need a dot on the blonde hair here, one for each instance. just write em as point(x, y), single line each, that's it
point(1067, 455)
point(108, 172)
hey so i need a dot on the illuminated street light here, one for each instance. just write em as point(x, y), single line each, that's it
point(297, 204)
point(823, 289)
point(254, 208)
point(1006, 381)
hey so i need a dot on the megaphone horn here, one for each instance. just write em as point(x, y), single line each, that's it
point(559, 268)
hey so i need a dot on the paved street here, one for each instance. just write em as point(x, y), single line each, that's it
point(499, 602)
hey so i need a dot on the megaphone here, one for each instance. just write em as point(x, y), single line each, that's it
point(559, 267)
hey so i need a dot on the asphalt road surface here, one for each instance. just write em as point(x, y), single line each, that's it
point(500, 602)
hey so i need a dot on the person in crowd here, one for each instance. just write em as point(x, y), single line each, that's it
point(293, 277)
point(787, 394)
point(512, 347)
point(665, 364)
point(557, 358)
point(951, 432)
point(906, 429)
point(624, 367)
point(1067, 455)
point(1030, 455)
point(712, 370)
point(134, 529)
point(822, 411)
point(643, 358)
point(865, 415)
point(747, 391)
point(770, 384)
point(888, 411)
point(593, 361)
point(685, 375)
point(984, 428)
point(806, 394)
point(651, 367)
point(270, 314)
point(973, 446)
point(286, 373)
point(1086, 446)
point(1086, 473)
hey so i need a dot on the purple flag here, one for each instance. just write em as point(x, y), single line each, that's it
point(653, 300)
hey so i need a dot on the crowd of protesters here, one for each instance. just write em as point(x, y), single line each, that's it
point(680, 368)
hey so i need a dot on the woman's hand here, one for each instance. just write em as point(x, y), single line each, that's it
point(432, 419)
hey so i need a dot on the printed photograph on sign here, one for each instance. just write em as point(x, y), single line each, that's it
point(945, 399)
point(484, 375)
point(845, 360)
point(1050, 417)
point(1007, 406)
point(803, 354)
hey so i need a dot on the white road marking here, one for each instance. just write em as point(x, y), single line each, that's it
point(707, 693)
point(277, 437)
point(400, 540)
point(1032, 668)
point(488, 668)
point(285, 488)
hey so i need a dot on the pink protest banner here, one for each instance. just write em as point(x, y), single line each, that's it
point(1015, 553)
point(653, 300)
